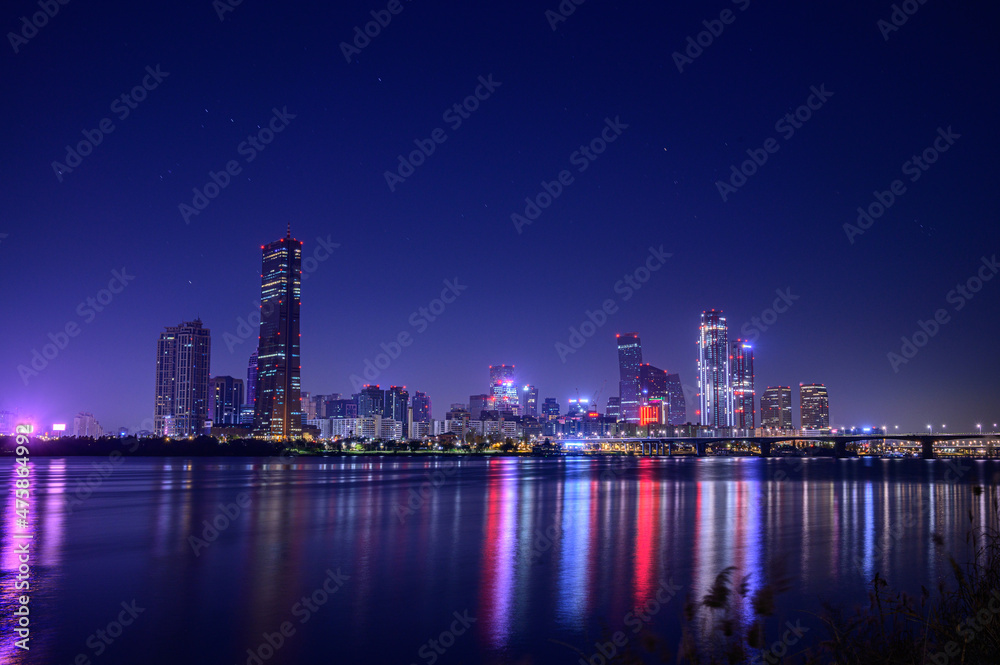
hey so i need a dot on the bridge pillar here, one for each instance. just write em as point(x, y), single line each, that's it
point(701, 448)
point(928, 448)
point(839, 448)
point(670, 448)
point(765, 448)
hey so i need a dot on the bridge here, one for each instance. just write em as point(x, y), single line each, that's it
point(762, 446)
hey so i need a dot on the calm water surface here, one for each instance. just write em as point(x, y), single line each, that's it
point(541, 553)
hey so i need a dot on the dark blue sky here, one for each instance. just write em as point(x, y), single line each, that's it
point(451, 219)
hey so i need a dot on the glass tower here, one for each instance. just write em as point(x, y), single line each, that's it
point(713, 370)
point(741, 362)
point(629, 368)
point(278, 408)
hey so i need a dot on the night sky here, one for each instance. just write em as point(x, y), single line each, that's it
point(552, 91)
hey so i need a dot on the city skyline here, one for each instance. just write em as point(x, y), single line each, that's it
point(816, 303)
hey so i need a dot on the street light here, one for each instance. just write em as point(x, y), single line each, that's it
point(980, 426)
point(930, 429)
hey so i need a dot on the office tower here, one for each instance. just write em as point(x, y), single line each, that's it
point(652, 385)
point(629, 385)
point(84, 424)
point(371, 401)
point(550, 409)
point(480, 403)
point(741, 384)
point(421, 407)
point(397, 403)
point(342, 408)
point(225, 397)
point(503, 389)
point(713, 370)
point(814, 406)
point(613, 409)
point(676, 408)
point(530, 404)
point(278, 411)
point(183, 355)
point(578, 408)
point(776, 408)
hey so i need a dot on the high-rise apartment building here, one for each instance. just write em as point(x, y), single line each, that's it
point(84, 424)
point(183, 355)
point(225, 397)
point(278, 408)
point(629, 368)
point(421, 407)
point(814, 406)
point(713, 370)
point(776, 408)
point(741, 384)
point(397, 404)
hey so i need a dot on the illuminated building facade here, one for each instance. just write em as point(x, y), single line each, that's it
point(741, 384)
point(776, 408)
point(530, 405)
point(713, 370)
point(550, 409)
point(650, 414)
point(629, 367)
point(503, 389)
point(654, 389)
point(183, 355)
point(814, 406)
point(278, 407)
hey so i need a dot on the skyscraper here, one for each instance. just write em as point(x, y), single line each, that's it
point(742, 385)
point(503, 389)
point(252, 379)
point(676, 409)
point(371, 401)
point(421, 407)
point(713, 370)
point(278, 408)
point(653, 383)
point(614, 408)
point(629, 364)
point(248, 410)
point(814, 406)
point(776, 408)
point(225, 397)
point(183, 355)
point(397, 403)
point(480, 403)
point(530, 405)
point(550, 409)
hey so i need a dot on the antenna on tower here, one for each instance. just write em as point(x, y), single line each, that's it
point(289, 236)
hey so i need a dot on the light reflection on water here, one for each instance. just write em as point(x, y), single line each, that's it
point(543, 552)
